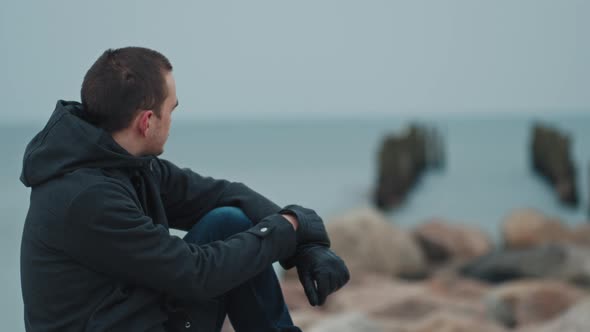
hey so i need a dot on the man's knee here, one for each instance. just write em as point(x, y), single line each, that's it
point(228, 220)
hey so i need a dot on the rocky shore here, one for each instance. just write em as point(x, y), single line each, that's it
point(443, 276)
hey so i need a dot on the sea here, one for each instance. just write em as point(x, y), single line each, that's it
point(330, 165)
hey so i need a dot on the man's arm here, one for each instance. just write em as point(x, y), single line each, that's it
point(109, 234)
point(188, 196)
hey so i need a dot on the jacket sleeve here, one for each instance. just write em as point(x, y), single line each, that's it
point(108, 233)
point(188, 196)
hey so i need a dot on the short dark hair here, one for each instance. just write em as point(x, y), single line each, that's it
point(121, 82)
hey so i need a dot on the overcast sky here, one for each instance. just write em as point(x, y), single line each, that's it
point(270, 58)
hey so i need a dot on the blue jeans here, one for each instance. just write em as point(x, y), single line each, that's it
point(255, 305)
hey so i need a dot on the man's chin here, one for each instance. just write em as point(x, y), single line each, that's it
point(158, 152)
point(154, 152)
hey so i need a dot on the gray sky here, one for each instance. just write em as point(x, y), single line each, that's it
point(271, 58)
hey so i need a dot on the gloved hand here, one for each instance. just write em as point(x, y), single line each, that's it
point(321, 272)
point(311, 228)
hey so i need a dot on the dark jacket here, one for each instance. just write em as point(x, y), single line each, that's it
point(96, 252)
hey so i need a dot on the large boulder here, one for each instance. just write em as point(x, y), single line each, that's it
point(581, 234)
point(554, 261)
point(531, 302)
point(452, 322)
point(378, 295)
point(576, 319)
point(449, 302)
point(347, 322)
point(368, 242)
point(406, 302)
point(307, 318)
point(527, 228)
point(294, 294)
point(441, 241)
point(448, 284)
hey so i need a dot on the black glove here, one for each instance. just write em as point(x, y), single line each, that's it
point(321, 272)
point(311, 228)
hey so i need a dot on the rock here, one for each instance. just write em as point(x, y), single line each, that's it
point(347, 322)
point(306, 318)
point(294, 294)
point(370, 243)
point(227, 326)
point(528, 228)
point(551, 158)
point(450, 285)
point(441, 241)
point(450, 322)
point(447, 302)
point(554, 261)
point(575, 265)
point(531, 302)
point(581, 234)
point(576, 319)
point(406, 302)
point(372, 294)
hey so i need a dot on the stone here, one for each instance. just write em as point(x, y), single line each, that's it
point(372, 294)
point(576, 319)
point(306, 318)
point(553, 261)
point(528, 228)
point(441, 241)
point(450, 285)
point(347, 322)
point(408, 301)
point(368, 242)
point(294, 294)
point(396, 305)
point(531, 302)
point(581, 234)
point(451, 322)
point(227, 326)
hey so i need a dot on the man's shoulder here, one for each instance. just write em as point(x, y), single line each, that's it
point(71, 185)
point(96, 181)
point(52, 201)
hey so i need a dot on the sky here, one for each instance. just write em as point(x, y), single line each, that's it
point(252, 59)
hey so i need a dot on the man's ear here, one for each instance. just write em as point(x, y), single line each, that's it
point(144, 122)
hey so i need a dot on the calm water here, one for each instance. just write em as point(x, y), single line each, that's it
point(330, 165)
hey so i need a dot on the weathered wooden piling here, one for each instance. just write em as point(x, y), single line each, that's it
point(402, 160)
point(551, 159)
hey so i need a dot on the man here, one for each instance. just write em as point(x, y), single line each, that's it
point(96, 251)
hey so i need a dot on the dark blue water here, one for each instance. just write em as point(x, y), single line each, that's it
point(330, 165)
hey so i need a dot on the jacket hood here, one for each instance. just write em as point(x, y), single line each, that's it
point(68, 142)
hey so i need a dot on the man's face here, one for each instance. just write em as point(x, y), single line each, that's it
point(160, 127)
